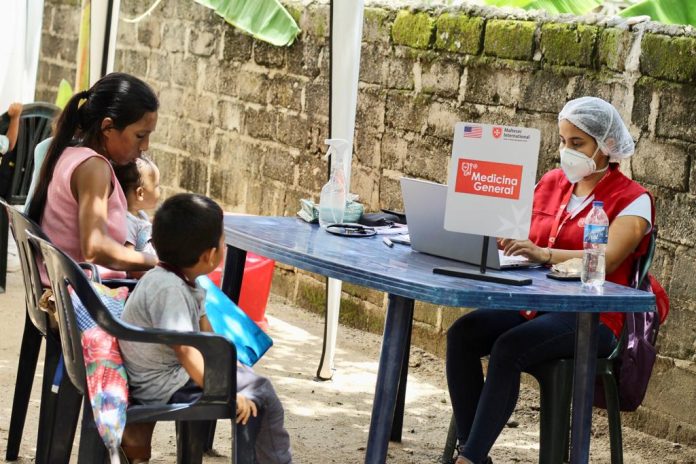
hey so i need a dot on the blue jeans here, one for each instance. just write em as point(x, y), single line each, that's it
point(481, 409)
point(272, 442)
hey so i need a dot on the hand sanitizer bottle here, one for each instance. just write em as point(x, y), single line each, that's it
point(332, 201)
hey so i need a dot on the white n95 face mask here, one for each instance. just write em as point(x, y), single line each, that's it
point(577, 166)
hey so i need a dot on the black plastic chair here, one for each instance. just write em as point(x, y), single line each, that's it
point(555, 393)
point(34, 126)
point(58, 412)
point(219, 393)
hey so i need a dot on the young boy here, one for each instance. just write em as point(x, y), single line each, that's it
point(188, 236)
point(140, 183)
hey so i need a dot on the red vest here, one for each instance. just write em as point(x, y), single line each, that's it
point(616, 191)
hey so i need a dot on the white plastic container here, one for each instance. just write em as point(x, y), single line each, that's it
point(332, 201)
point(594, 244)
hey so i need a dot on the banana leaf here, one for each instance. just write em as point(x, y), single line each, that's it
point(64, 93)
point(266, 20)
point(576, 7)
point(664, 11)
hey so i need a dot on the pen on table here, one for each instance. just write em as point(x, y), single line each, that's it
point(387, 242)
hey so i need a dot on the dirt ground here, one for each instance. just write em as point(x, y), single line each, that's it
point(328, 421)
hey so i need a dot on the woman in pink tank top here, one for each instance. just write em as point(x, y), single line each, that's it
point(78, 201)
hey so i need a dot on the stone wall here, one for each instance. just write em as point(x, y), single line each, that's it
point(244, 122)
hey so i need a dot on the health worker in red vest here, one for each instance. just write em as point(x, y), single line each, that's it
point(593, 139)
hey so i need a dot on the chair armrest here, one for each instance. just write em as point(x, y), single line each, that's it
point(219, 354)
point(115, 283)
point(93, 271)
point(111, 283)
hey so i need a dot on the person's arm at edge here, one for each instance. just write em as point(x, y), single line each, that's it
point(14, 112)
point(91, 185)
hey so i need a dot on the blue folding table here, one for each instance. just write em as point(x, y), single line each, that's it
point(407, 276)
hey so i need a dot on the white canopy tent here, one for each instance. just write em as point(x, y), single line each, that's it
point(20, 39)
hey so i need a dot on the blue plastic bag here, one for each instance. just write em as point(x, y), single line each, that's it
point(229, 320)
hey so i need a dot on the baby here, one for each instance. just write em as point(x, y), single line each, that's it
point(140, 183)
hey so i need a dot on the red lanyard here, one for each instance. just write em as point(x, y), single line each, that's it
point(561, 216)
point(558, 222)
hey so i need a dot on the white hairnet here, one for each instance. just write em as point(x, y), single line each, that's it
point(600, 120)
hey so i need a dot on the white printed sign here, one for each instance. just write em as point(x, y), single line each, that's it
point(491, 180)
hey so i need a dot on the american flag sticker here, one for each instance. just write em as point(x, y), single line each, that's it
point(473, 132)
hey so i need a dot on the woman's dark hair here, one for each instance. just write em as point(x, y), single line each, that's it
point(130, 175)
point(122, 97)
point(184, 227)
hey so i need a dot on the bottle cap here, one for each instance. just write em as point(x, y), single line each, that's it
point(598, 203)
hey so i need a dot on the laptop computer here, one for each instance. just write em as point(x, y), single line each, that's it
point(424, 203)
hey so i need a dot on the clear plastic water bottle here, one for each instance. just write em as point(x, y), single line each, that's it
point(332, 200)
point(594, 245)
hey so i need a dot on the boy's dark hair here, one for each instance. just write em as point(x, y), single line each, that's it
point(184, 227)
point(122, 97)
point(129, 175)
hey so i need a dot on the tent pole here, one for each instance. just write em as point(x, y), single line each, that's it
point(107, 39)
point(333, 286)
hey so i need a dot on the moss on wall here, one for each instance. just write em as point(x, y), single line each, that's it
point(376, 24)
point(568, 44)
point(670, 58)
point(510, 39)
point(613, 48)
point(459, 33)
point(413, 29)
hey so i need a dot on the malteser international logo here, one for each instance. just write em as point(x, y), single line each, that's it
point(512, 134)
point(488, 179)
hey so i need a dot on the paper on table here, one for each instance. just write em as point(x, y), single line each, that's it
point(396, 229)
point(402, 239)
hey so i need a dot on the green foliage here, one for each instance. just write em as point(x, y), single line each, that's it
point(64, 94)
point(266, 20)
point(662, 11)
point(577, 7)
point(665, 11)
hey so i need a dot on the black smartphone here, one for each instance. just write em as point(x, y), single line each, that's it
point(563, 276)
